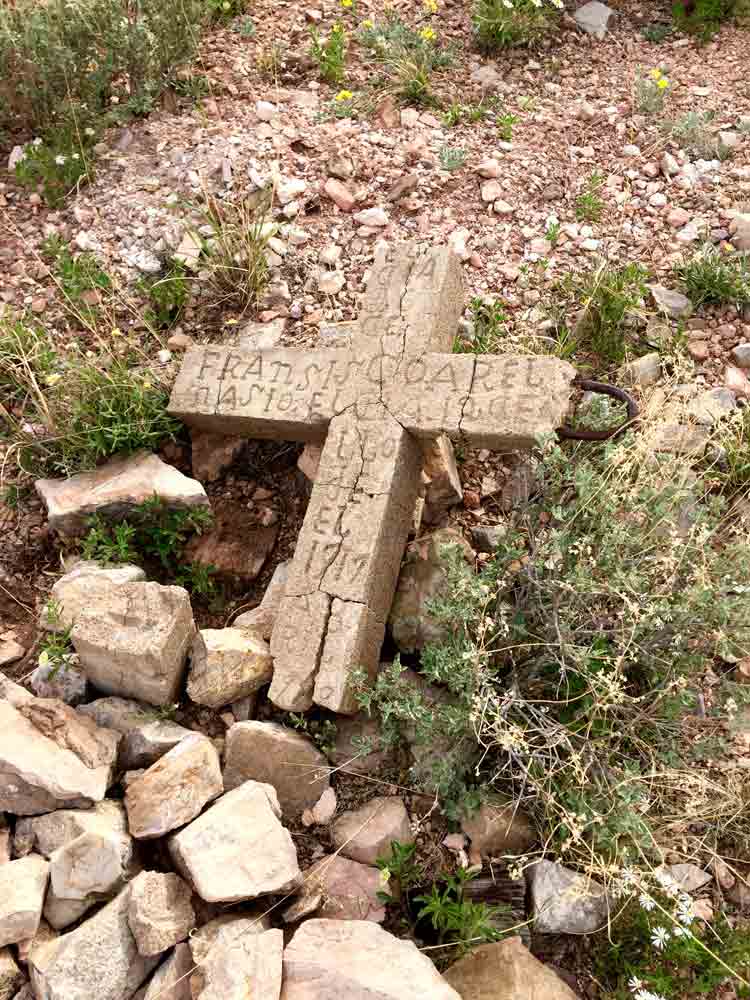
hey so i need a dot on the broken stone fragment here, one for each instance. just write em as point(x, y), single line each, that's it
point(133, 640)
point(235, 969)
point(212, 454)
point(73, 591)
point(505, 970)
point(171, 981)
point(366, 834)
point(358, 960)
point(160, 913)
point(41, 771)
point(422, 579)
point(227, 664)
point(50, 832)
point(231, 554)
point(44, 934)
point(175, 789)
point(238, 849)
point(98, 959)
point(444, 487)
point(261, 619)
point(564, 902)
point(10, 651)
point(497, 828)
point(114, 490)
point(144, 738)
point(22, 887)
point(11, 977)
point(270, 753)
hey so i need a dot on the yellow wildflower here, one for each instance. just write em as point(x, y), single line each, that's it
point(430, 6)
point(347, 3)
point(655, 74)
point(427, 34)
point(367, 23)
point(344, 95)
point(663, 83)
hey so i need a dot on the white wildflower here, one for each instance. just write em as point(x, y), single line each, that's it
point(660, 937)
point(60, 160)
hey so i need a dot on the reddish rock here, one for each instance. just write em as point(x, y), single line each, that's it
point(234, 553)
point(340, 194)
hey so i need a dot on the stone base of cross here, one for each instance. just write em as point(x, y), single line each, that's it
point(397, 385)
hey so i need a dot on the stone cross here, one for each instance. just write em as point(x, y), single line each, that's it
point(398, 384)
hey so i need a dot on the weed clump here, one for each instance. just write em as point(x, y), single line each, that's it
point(713, 276)
point(502, 24)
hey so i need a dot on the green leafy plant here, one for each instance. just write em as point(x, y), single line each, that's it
point(702, 17)
point(488, 319)
point(245, 27)
point(401, 872)
point(236, 265)
point(58, 164)
point(589, 204)
point(651, 92)
point(656, 32)
point(505, 125)
point(457, 920)
point(330, 55)
point(77, 276)
point(321, 731)
point(692, 132)
point(611, 299)
point(409, 57)
point(712, 275)
point(500, 24)
point(63, 61)
point(552, 233)
point(67, 414)
point(452, 158)
point(153, 534)
point(167, 295)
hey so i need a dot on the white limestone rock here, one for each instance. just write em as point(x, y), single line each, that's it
point(227, 664)
point(249, 966)
point(73, 591)
point(160, 912)
point(114, 490)
point(22, 887)
point(238, 849)
point(133, 640)
point(175, 789)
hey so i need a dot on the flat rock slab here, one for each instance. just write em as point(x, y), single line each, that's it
point(505, 970)
point(133, 640)
point(38, 775)
point(73, 591)
point(229, 927)
point(358, 960)
point(93, 863)
point(114, 490)
point(270, 753)
point(227, 664)
point(366, 834)
point(160, 912)
point(22, 887)
point(174, 789)
point(564, 902)
point(236, 969)
point(99, 959)
point(238, 848)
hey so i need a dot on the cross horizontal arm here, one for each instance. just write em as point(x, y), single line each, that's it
point(281, 394)
point(500, 402)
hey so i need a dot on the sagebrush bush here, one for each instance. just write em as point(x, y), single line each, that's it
point(66, 59)
point(572, 659)
point(501, 24)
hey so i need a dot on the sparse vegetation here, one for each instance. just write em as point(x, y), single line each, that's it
point(702, 17)
point(452, 158)
point(691, 131)
point(499, 24)
point(651, 91)
point(713, 275)
point(167, 296)
point(589, 204)
point(237, 269)
point(329, 53)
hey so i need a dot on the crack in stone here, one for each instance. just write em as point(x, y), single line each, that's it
point(468, 395)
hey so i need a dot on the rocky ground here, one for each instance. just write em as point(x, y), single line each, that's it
point(202, 818)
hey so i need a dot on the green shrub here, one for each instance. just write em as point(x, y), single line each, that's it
point(715, 276)
point(69, 413)
point(500, 24)
point(452, 158)
point(409, 57)
point(589, 204)
point(571, 659)
point(167, 295)
point(329, 54)
point(153, 534)
point(705, 18)
point(611, 298)
point(58, 163)
point(76, 275)
point(69, 58)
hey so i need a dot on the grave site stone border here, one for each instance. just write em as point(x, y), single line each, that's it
point(372, 405)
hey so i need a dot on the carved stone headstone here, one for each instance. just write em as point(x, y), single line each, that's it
point(370, 404)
